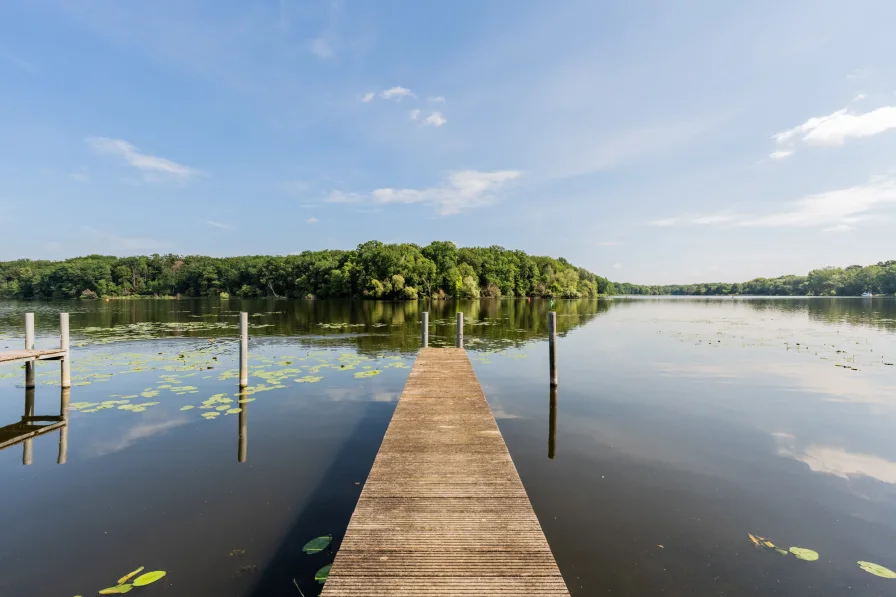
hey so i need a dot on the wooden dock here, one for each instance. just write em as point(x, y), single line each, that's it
point(443, 512)
point(51, 354)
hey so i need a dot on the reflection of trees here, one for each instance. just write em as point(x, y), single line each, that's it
point(366, 325)
point(876, 313)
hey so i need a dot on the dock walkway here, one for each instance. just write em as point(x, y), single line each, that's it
point(443, 511)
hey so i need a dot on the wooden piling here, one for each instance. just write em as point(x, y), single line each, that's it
point(29, 345)
point(65, 362)
point(244, 349)
point(552, 424)
point(459, 340)
point(552, 346)
point(424, 334)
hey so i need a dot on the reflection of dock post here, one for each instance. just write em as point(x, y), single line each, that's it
point(63, 431)
point(424, 333)
point(27, 453)
point(65, 363)
point(244, 429)
point(552, 346)
point(552, 423)
point(29, 345)
point(244, 349)
point(460, 330)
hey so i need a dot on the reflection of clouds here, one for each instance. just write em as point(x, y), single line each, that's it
point(499, 413)
point(837, 461)
point(359, 394)
point(133, 435)
point(697, 370)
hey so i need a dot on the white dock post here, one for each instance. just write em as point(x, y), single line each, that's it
point(552, 346)
point(65, 363)
point(244, 349)
point(459, 341)
point(29, 345)
point(424, 340)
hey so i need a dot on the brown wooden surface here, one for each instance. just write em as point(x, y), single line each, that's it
point(19, 432)
point(27, 355)
point(443, 511)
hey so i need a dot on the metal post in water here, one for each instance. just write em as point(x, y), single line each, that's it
point(63, 431)
point(27, 453)
point(244, 430)
point(552, 424)
point(65, 364)
point(552, 346)
point(244, 349)
point(460, 330)
point(29, 345)
point(425, 331)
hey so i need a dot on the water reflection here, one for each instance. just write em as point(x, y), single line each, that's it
point(243, 428)
point(552, 423)
point(31, 426)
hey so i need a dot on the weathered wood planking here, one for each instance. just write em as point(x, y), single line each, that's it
point(32, 355)
point(443, 511)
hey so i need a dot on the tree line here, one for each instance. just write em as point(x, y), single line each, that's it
point(828, 281)
point(373, 270)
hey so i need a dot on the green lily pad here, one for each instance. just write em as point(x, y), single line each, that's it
point(149, 578)
point(317, 544)
point(187, 407)
point(804, 554)
point(369, 373)
point(322, 574)
point(117, 590)
point(877, 570)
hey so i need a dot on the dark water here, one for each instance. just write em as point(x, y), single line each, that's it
point(681, 423)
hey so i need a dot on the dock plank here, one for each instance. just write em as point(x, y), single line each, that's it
point(31, 355)
point(443, 511)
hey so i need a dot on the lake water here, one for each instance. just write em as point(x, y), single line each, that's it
point(681, 425)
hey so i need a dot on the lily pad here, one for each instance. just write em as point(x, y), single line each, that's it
point(322, 574)
point(117, 590)
point(148, 578)
point(317, 544)
point(877, 570)
point(804, 554)
point(130, 575)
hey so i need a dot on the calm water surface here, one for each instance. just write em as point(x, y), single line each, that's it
point(681, 425)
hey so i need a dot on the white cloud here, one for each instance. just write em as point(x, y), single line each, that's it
point(859, 97)
point(396, 93)
point(617, 266)
point(435, 119)
point(781, 154)
point(834, 211)
point(81, 176)
point(321, 48)
point(834, 129)
point(154, 168)
point(461, 190)
point(220, 225)
point(414, 114)
point(368, 97)
point(837, 461)
point(860, 73)
point(439, 99)
point(312, 220)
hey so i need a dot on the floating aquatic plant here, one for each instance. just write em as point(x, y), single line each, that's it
point(317, 544)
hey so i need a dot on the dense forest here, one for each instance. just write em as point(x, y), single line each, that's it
point(829, 281)
point(372, 270)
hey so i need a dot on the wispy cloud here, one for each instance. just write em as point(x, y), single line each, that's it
point(607, 243)
point(81, 176)
point(322, 48)
point(368, 97)
point(834, 129)
point(435, 119)
point(154, 168)
point(439, 99)
point(312, 220)
point(18, 62)
point(133, 435)
point(836, 461)
point(396, 93)
point(834, 211)
point(617, 266)
point(221, 225)
point(414, 114)
point(860, 73)
point(113, 242)
point(460, 191)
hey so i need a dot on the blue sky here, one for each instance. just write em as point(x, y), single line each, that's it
point(648, 141)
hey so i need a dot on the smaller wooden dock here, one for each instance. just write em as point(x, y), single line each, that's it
point(443, 512)
point(51, 354)
point(29, 355)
